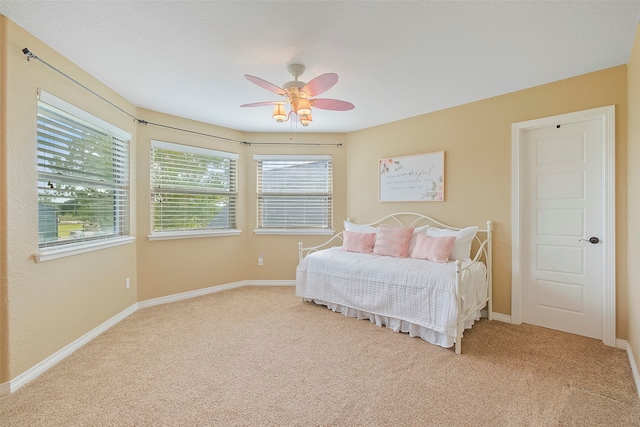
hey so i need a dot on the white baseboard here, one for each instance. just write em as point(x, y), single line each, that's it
point(40, 368)
point(190, 294)
point(58, 356)
point(501, 317)
point(634, 369)
point(213, 289)
point(269, 283)
point(624, 345)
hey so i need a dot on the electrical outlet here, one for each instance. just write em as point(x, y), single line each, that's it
point(261, 260)
point(127, 283)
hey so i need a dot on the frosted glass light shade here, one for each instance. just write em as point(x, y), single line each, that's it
point(304, 107)
point(279, 114)
point(306, 119)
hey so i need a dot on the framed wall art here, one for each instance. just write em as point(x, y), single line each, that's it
point(416, 178)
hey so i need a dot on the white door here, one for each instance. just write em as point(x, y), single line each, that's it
point(562, 209)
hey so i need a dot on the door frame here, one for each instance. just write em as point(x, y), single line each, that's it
point(607, 116)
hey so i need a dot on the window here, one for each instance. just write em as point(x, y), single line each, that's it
point(193, 190)
point(294, 193)
point(83, 177)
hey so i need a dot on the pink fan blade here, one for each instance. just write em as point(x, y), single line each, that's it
point(265, 84)
point(320, 84)
point(332, 104)
point(261, 104)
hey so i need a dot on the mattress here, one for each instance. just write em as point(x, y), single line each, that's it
point(409, 293)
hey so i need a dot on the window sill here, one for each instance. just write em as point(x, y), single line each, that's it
point(293, 232)
point(191, 235)
point(71, 250)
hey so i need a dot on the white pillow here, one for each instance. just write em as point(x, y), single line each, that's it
point(464, 238)
point(357, 228)
point(416, 231)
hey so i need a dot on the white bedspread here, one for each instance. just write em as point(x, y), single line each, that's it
point(405, 294)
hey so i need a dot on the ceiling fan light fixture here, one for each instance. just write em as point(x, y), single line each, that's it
point(301, 97)
point(306, 119)
point(304, 107)
point(279, 113)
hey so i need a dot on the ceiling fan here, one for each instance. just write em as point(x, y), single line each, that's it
point(300, 95)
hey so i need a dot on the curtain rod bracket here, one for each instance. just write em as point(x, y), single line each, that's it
point(30, 55)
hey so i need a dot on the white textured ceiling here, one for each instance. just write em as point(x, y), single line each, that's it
point(395, 59)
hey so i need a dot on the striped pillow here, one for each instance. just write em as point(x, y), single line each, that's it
point(393, 241)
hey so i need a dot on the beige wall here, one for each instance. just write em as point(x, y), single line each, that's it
point(46, 306)
point(476, 139)
point(4, 309)
point(172, 266)
point(633, 297)
point(281, 252)
point(49, 304)
point(169, 267)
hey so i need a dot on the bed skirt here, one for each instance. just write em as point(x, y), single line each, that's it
point(397, 325)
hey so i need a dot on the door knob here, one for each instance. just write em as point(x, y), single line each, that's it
point(592, 240)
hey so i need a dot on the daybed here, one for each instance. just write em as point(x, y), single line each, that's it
point(406, 271)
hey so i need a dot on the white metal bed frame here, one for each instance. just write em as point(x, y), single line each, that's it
point(463, 268)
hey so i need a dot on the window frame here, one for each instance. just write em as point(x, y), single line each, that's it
point(201, 232)
point(122, 226)
point(293, 231)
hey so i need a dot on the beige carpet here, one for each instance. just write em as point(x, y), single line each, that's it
point(257, 356)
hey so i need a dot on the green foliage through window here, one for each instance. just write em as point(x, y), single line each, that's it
point(83, 177)
point(192, 189)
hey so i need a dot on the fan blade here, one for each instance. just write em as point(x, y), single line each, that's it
point(331, 104)
point(261, 104)
point(265, 84)
point(320, 84)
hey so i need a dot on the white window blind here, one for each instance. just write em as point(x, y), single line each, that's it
point(83, 176)
point(294, 192)
point(192, 189)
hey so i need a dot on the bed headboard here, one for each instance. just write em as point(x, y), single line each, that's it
point(481, 247)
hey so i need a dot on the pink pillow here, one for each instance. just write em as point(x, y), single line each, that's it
point(464, 239)
point(358, 242)
point(435, 249)
point(393, 241)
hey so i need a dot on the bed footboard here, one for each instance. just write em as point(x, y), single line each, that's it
point(471, 300)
